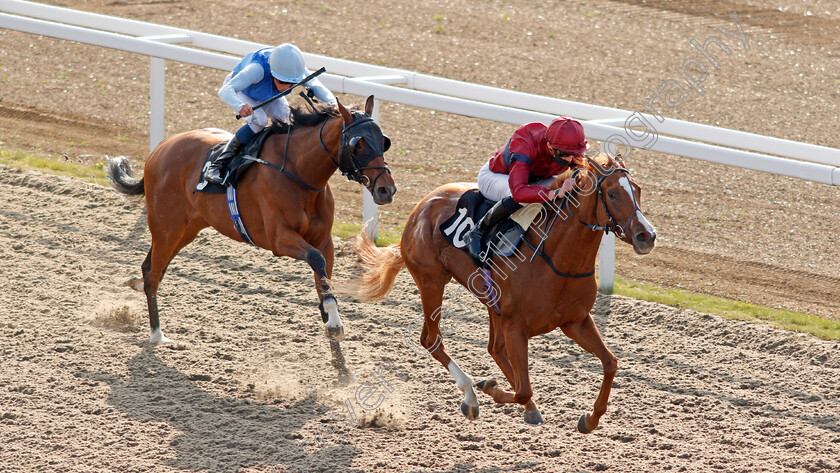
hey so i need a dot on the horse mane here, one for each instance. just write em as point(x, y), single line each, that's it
point(304, 116)
point(604, 160)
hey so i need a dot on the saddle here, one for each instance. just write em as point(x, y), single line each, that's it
point(502, 239)
point(240, 163)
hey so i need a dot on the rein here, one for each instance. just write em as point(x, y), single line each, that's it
point(538, 249)
point(354, 173)
point(611, 226)
point(282, 168)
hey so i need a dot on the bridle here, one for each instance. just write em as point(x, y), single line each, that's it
point(612, 225)
point(351, 165)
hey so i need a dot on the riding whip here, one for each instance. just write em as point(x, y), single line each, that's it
point(282, 94)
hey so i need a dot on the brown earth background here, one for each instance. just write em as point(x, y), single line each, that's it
point(249, 374)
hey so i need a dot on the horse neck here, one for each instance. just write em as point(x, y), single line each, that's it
point(307, 157)
point(571, 245)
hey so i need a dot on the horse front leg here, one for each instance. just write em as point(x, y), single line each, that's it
point(329, 306)
point(321, 260)
point(586, 334)
point(516, 349)
point(292, 244)
point(321, 264)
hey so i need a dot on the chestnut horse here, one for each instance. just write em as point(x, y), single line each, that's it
point(556, 290)
point(289, 213)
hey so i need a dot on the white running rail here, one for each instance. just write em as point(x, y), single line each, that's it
point(677, 137)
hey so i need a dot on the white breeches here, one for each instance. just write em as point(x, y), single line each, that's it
point(495, 186)
point(278, 110)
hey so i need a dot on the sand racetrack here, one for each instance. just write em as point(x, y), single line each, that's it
point(249, 375)
point(248, 385)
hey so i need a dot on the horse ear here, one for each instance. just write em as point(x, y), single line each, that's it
point(369, 106)
point(620, 161)
point(345, 114)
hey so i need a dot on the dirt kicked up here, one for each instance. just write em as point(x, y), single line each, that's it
point(248, 384)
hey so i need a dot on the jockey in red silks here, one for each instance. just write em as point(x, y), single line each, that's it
point(520, 171)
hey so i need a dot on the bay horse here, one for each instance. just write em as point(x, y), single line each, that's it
point(286, 205)
point(556, 290)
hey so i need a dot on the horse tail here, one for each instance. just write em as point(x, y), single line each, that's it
point(380, 268)
point(119, 174)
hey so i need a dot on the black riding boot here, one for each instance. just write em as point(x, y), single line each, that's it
point(217, 167)
point(498, 213)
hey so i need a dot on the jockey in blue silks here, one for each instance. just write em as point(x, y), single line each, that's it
point(260, 75)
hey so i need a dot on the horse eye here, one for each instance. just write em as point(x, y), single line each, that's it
point(611, 194)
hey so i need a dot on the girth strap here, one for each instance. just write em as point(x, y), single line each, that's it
point(490, 289)
point(238, 224)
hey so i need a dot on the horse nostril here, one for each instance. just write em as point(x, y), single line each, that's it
point(643, 237)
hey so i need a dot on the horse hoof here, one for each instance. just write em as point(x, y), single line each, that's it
point(582, 425)
point(345, 378)
point(469, 411)
point(158, 338)
point(335, 333)
point(135, 283)
point(534, 418)
point(486, 384)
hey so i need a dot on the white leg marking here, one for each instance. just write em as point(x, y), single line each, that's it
point(464, 383)
point(157, 337)
point(135, 283)
point(334, 320)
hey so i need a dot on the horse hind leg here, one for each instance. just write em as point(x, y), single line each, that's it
point(156, 336)
point(497, 349)
point(431, 295)
point(154, 267)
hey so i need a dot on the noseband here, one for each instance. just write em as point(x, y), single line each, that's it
point(351, 165)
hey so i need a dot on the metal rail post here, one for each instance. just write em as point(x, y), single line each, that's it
point(606, 264)
point(157, 90)
point(157, 101)
point(370, 212)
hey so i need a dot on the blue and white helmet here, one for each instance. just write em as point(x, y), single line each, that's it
point(286, 63)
